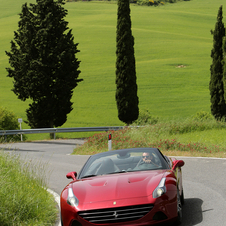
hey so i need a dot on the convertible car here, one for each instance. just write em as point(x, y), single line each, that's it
point(138, 186)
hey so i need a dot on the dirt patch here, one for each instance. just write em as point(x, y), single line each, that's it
point(181, 66)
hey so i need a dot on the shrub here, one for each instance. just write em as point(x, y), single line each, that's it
point(202, 115)
point(9, 121)
point(145, 118)
point(149, 2)
point(142, 2)
point(156, 3)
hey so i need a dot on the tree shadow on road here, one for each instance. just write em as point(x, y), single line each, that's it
point(16, 150)
point(192, 212)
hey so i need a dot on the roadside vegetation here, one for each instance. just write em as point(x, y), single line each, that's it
point(142, 2)
point(24, 200)
point(9, 121)
point(199, 135)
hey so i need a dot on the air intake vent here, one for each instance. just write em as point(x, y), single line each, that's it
point(116, 215)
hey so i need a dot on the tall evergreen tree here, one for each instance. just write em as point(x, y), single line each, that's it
point(216, 86)
point(43, 63)
point(126, 91)
point(224, 66)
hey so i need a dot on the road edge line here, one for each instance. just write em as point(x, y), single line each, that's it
point(57, 200)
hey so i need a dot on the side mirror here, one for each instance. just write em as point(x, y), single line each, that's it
point(71, 175)
point(177, 163)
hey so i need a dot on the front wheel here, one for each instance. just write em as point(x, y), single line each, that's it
point(179, 209)
point(61, 220)
point(182, 197)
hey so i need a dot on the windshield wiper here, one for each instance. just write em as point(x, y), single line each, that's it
point(90, 175)
point(93, 175)
point(122, 171)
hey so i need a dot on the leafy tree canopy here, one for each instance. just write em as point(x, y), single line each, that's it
point(43, 63)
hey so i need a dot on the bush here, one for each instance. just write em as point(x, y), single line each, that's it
point(8, 121)
point(202, 115)
point(149, 2)
point(142, 2)
point(145, 118)
point(156, 3)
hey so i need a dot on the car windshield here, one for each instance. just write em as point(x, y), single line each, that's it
point(125, 160)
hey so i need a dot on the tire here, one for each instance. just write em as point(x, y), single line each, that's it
point(61, 220)
point(179, 209)
point(182, 197)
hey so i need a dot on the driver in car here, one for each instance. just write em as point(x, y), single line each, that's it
point(147, 161)
point(147, 157)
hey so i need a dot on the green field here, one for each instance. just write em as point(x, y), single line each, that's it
point(165, 37)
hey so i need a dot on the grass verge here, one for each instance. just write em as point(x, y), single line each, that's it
point(24, 199)
point(191, 137)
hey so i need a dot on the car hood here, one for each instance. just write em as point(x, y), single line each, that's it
point(117, 186)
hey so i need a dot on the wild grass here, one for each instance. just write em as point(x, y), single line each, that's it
point(172, 51)
point(191, 137)
point(24, 199)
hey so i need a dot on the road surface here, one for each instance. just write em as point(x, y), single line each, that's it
point(203, 178)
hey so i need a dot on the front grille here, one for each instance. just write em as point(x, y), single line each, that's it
point(116, 215)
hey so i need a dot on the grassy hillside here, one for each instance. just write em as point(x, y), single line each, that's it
point(172, 50)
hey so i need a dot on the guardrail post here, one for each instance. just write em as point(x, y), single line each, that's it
point(109, 142)
point(20, 121)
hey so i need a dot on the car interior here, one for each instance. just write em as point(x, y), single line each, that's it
point(119, 163)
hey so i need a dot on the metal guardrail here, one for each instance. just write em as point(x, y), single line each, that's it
point(59, 130)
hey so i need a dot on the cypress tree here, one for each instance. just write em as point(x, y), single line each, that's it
point(216, 86)
point(126, 87)
point(224, 66)
point(43, 63)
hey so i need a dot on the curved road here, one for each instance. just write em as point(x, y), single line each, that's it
point(203, 178)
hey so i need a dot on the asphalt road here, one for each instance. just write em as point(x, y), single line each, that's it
point(203, 178)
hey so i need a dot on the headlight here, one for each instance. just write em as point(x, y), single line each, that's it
point(161, 189)
point(71, 198)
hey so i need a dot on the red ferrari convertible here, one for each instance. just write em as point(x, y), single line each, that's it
point(138, 186)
